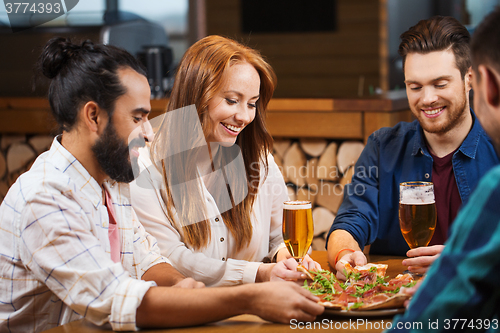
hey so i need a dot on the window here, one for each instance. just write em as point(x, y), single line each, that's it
point(171, 14)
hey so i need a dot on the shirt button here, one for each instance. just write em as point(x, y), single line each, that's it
point(223, 259)
point(216, 219)
point(427, 176)
point(222, 239)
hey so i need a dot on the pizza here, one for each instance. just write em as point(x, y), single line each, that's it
point(366, 288)
point(367, 273)
point(304, 270)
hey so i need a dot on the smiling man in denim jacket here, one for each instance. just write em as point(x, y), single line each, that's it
point(445, 145)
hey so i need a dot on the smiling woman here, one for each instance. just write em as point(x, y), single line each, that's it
point(215, 206)
point(234, 106)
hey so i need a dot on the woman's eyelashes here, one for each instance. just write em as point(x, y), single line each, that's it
point(231, 101)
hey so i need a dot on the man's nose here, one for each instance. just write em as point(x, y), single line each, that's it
point(430, 96)
point(147, 131)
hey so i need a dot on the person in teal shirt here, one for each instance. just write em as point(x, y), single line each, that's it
point(461, 291)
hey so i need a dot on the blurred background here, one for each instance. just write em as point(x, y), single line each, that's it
point(319, 48)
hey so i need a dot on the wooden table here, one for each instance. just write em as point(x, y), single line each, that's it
point(253, 324)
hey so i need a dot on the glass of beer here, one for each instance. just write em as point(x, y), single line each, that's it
point(298, 227)
point(417, 212)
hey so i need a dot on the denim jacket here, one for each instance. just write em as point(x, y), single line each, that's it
point(369, 211)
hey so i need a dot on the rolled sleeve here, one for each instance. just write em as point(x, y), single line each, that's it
point(128, 296)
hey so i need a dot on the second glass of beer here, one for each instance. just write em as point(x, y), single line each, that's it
point(417, 212)
point(298, 227)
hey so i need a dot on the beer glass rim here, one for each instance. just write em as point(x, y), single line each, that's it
point(297, 204)
point(416, 183)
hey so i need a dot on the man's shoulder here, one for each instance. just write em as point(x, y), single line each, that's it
point(487, 191)
point(43, 176)
point(492, 178)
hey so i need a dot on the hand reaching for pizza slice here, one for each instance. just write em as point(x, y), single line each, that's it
point(356, 258)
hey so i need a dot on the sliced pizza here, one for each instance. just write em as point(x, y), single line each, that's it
point(304, 270)
point(367, 288)
point(383, 301)
point(367, 273)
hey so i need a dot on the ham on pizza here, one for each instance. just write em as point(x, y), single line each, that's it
point(366, 288)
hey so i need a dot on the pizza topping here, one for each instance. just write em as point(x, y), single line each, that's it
point(324, 282)
point(366, 288)
point(357, 305)
point(367, 273)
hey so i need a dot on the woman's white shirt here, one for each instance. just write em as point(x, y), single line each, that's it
point(219, 263)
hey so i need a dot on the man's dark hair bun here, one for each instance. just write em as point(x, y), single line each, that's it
point(57, 52)
point(81, 73)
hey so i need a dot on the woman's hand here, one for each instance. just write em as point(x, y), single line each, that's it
point(286, 270)
point(307, 262)
point(310, 264)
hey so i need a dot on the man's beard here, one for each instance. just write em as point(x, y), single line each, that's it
point(113, 155)
point(454, 117)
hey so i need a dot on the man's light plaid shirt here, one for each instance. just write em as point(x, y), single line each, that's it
point(55, 264)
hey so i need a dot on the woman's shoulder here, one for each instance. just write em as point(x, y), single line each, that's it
point(148, 175)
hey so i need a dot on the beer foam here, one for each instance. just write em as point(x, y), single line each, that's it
point(416, 197)
point(296, 205)
point(409, 202)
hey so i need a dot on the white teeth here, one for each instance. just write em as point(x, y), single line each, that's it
point(431, 112)
point(232, 128)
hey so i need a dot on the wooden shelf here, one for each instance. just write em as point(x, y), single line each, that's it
point(354, 118)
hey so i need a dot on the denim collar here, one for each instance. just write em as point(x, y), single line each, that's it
point(468, 147)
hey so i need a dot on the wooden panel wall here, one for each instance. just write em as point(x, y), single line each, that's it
point(316, 64)
point(20, 52)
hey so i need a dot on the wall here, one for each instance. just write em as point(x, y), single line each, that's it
point(326, 64)
point(20, 52)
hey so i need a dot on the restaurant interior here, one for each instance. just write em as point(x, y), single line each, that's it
point(339, 75)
